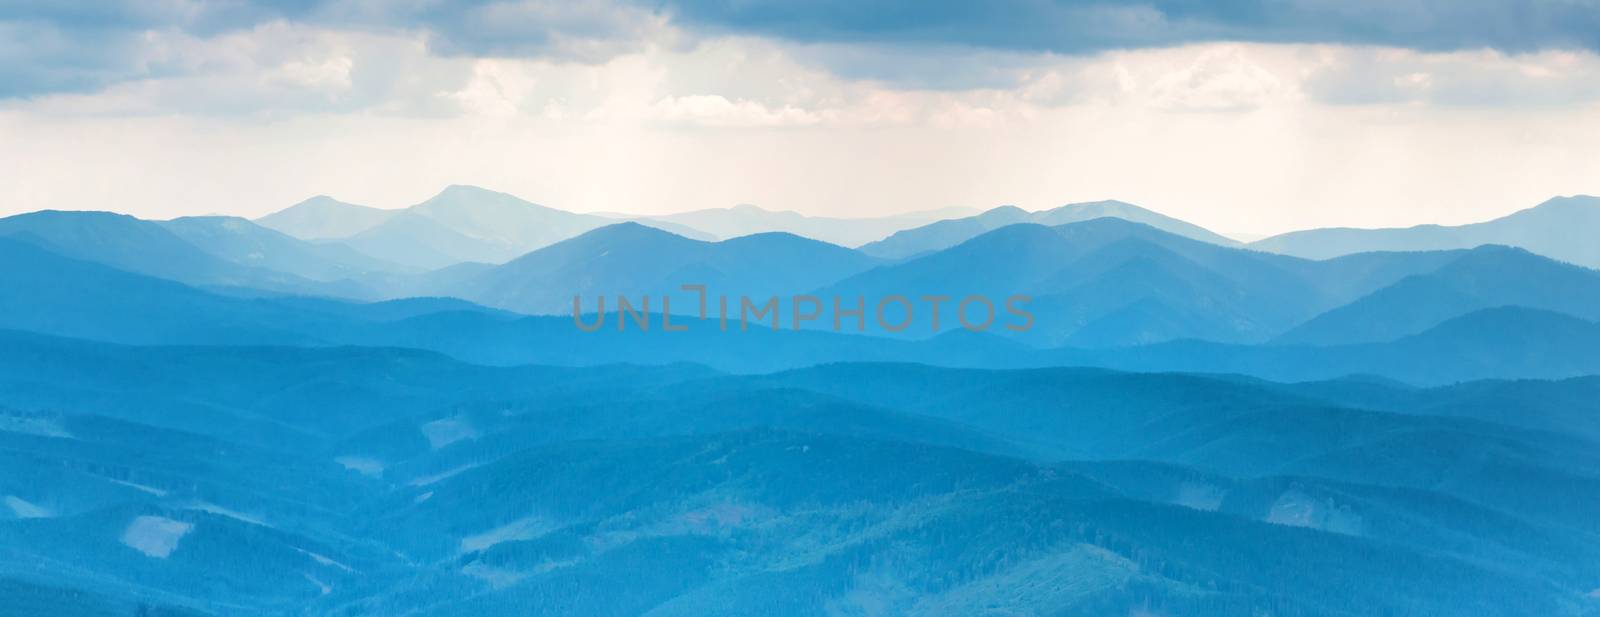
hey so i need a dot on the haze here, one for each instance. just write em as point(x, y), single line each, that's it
point(164, 111)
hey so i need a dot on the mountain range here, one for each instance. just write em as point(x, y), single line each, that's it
point(1110, 282)
point(345, 411)
point(247, 259)
point(324, 218)
point(385, 481)
point(947, 233)
point(471, 224)
point(635, 261)
point(1101, 283)
point(745, 219)
point(463, 224)
point(93, 301)
point(1554, 229)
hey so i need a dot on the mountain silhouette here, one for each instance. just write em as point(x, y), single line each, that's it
point(460, 224)
point(1552, 229)
point(947, 233)
point(245, 243)
point(744, 220)
point(1486, 277)
point(147, 247)
point(633, 260)
point(324, 218)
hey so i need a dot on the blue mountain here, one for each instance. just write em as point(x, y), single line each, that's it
point(245, 243)
point(471, 224)
point(150, 248)
point(197, 419)
point(324, 218)
point(1486, 277)
point(1551, 229)
point(1108, 282)
point(70, 297)
point(379, 480)
point(745, 220)
point(633, 260)
point(87, 300)
point(948, 233)
point(1505, 342)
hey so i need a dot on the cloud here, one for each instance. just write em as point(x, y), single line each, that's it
point(1075, 27)
point(964, 45)
point(273, 69)
point(1484, 78)
point(53, 47)
point(37, 57)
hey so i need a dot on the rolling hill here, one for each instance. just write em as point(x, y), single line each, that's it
point(150, 248)
point(633, 260)
point(75, 298)
point(324, 218)
point(1486, 277)
point(1550, 229)
point(261, 480)
point(1107, 282)
point(948, 233)
point(471, 224)
point(248, 244)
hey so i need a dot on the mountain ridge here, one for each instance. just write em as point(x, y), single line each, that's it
point(943, 234)
point(321, 217)
point(1548, 229)
point(635, 260)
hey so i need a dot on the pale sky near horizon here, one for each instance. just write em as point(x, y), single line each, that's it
point(1299, 114)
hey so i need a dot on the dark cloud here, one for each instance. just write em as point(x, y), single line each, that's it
point(51, 46)
point(48, 47)
point(1068, 26)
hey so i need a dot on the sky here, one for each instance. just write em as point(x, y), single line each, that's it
point(1245, 116)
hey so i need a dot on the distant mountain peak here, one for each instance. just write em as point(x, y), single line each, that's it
point(628, 227)
point(467, 189)
point(637, 260)
point(321, 199)
point(1501, 249)
point(323, 203)
point(321, 217)
point(64, 215)
point(457, 195)
point(1581, 198)
point(776, 237)
point(1009, 236)
point(1103, 203)
point(1001, 216)
point(1112, 223)
point(1005, 211)
point(1566, 202)
point(1107, 208)
point(950, 232)
point(624, 232)
point(1508, 257)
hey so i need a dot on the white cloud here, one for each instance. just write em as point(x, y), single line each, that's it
point(716, 110)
